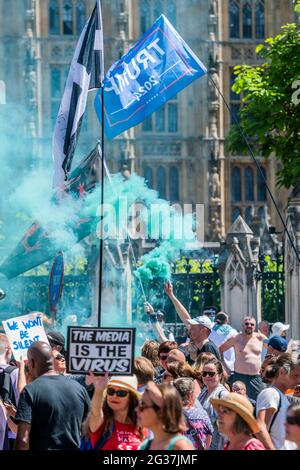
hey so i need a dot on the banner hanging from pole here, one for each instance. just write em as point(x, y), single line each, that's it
point(153, 71)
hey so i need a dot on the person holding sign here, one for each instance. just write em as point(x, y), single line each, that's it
point(112, 420)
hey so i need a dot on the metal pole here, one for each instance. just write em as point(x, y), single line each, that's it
point(101, 212)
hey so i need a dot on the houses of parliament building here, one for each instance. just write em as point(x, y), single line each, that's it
point(180, 149)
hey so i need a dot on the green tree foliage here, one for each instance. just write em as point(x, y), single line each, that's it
point(270, 115)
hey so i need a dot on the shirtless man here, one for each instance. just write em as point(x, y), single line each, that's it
point(247, 347)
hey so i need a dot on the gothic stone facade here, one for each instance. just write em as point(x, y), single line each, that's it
point(180, 149)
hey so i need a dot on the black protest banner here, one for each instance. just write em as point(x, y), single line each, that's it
point(101, 350)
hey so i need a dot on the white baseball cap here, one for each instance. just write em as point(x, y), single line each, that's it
point(203, 320)
point(278, 328)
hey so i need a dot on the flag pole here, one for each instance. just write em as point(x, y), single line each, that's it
point(101, 212)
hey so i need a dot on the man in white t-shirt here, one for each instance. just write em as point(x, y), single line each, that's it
point(220, 333)
point(272, 404)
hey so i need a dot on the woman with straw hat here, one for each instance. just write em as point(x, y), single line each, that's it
point(112, 420)
point(236, 422)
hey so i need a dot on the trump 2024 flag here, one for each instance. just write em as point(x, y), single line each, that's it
point(151, 73)
point(86, 73)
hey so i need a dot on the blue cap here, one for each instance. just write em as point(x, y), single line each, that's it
point(279, 343)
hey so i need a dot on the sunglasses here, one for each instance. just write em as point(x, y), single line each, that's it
point(60, 357)
point(120, 393)
point(248, 323)
point(292, 420)
point(142, 406)
point(163, 357)
point(209, 374)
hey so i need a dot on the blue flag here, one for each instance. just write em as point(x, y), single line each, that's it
point(151, 73)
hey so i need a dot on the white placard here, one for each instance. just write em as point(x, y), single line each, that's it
point(22, 331)
point(101, 350)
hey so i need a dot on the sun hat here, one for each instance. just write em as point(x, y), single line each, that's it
point(240, 405)
point(128, 382)
point(203, 320)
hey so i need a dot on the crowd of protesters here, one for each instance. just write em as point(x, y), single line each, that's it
point(219, 390)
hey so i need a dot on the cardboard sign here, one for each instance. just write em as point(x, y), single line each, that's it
point(22, 331)
point(101, 350)
point(157, 67)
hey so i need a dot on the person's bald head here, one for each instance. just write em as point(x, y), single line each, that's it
point(175, 355)
point(40, 359)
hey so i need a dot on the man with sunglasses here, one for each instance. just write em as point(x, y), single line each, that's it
point(248, 347)
point(163, 352)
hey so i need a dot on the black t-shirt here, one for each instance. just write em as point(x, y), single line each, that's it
point(55, 407)
point(210, 347)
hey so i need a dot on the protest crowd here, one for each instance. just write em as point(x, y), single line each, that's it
point(219, 390)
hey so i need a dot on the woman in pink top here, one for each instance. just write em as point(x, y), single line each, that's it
point(236, 422)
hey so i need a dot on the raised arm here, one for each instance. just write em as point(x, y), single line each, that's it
point(180, 309)
point(155, 325)
point(96, 417)
point(228, 344)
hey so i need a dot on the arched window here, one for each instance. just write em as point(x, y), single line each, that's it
point(148, 175)
point(259, 19)
point(160, 120)
point(80, 17)
point(235, 213)
point(172, 117)
point(55, 83)
point(236, 187)
point(67, 17)
point(174, 184)
point(261, 213)
point(145, 16)
point(249, 184)
point(261, 187)
point(158, 9)
point(171, 12)
point(54, 17)
point(248, 215)
point(233, 95)
point(247, 19)
point(234, 19)
point(161, 182)
point(147, 124)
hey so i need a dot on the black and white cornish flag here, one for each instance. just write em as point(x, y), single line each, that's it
point(86, 73)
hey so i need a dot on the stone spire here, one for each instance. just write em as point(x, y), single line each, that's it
point(238, 261)
point(214, 125)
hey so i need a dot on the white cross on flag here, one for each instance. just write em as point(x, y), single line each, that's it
point(86, 73)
